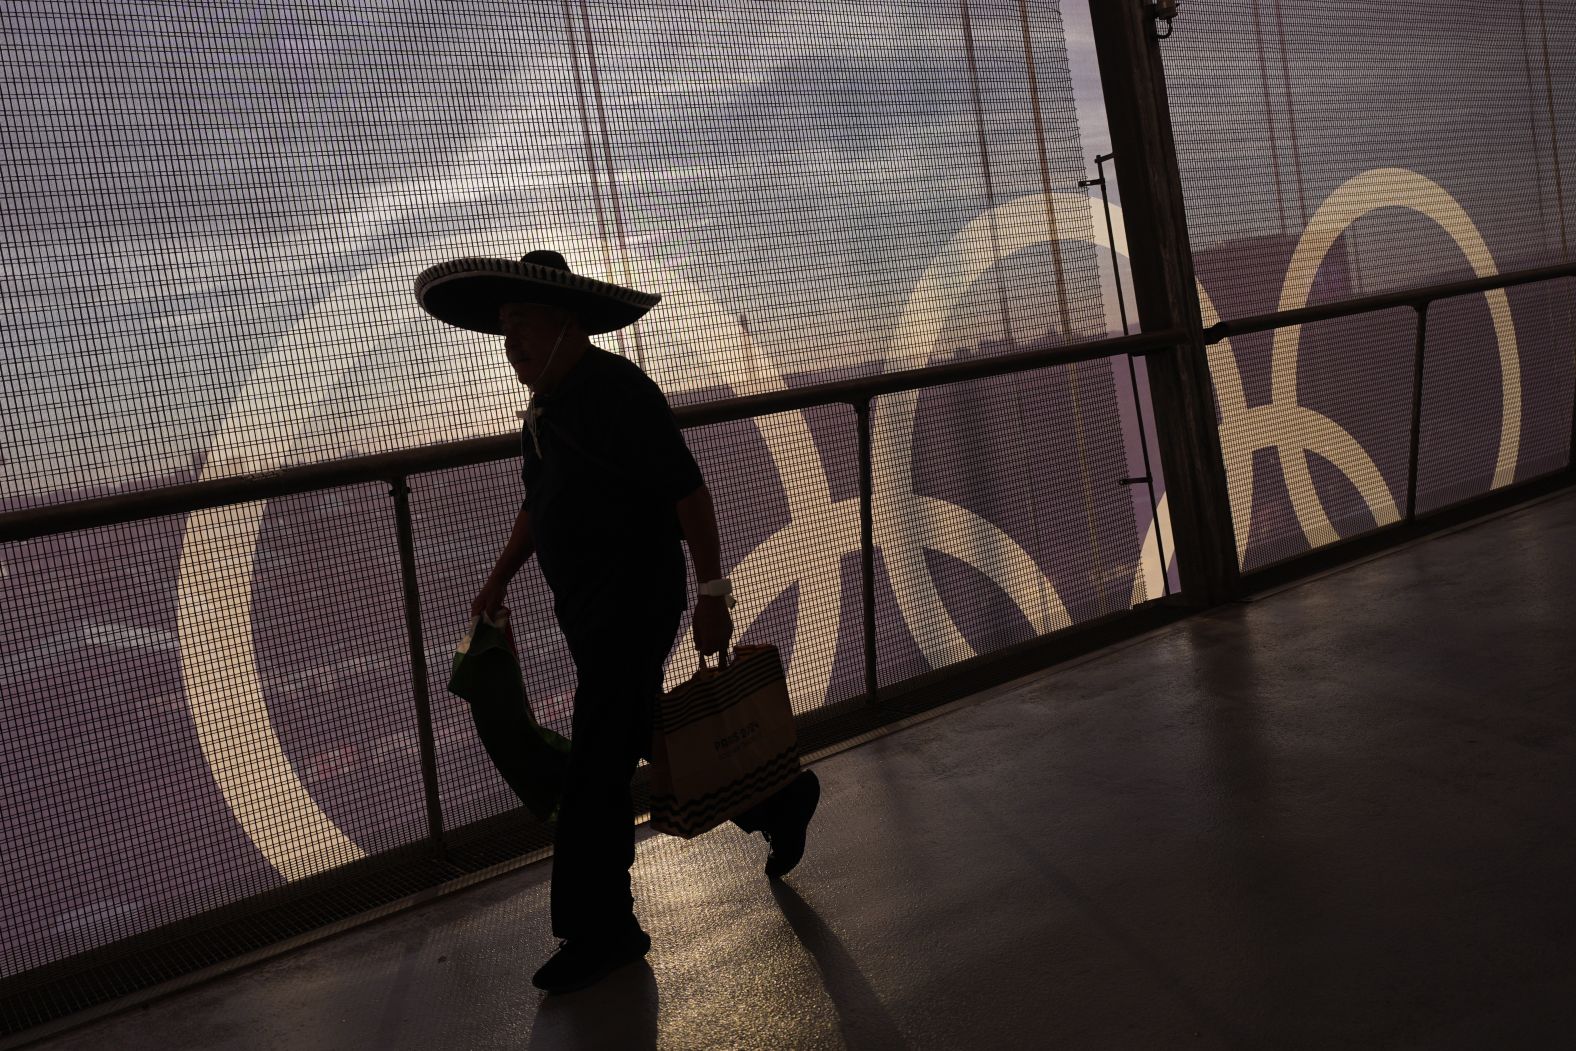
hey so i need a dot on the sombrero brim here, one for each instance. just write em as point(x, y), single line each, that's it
point(467, 293)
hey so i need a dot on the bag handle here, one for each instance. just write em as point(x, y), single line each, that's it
point(498, 622)
point(722, 660)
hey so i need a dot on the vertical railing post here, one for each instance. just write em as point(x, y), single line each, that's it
point(400, 491)
point(867, 545)
point(1164, 292)
point(1132, 374)
point(1417, 411)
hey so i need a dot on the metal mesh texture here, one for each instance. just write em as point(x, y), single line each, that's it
point(1338, 148)
point(105, 785)
point(199, 714)
point(1306, 481)
point(214, 215)
point(999, 513)
point(460, 520)
point(215, 211)
point(787, 497)
point(1482, 429)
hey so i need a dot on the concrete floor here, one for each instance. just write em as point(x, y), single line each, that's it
point(1340, 815)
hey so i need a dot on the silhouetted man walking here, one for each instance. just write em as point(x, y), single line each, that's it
point(610, 491)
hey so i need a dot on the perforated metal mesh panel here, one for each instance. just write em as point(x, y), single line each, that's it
point(1335, 148)
point(217, 199)
point(185, 731)
point(460, 520)
point(1495, 411)
point(106, 786)
point(999, 514)
point(1305, 480)
point(786, 491)
point(214, 215)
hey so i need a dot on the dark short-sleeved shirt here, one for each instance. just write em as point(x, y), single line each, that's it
point(601, 495)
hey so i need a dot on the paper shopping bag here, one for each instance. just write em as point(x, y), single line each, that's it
point(486, 672)
point(721, 743)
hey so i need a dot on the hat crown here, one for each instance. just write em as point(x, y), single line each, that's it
point(547, 257)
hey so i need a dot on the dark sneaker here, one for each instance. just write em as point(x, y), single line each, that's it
point(584, 962)
point(795, 807)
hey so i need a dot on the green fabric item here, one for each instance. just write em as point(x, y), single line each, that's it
point(486, 671)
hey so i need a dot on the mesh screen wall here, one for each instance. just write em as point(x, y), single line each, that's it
point(460, 519)
point(1302, 480)
point(999, 514)
point(179, 736)
point(206, 199)
point(1336, 148)
point(1472, 440)
point(214, 214)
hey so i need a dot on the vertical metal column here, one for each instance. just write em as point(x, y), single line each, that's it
point(1161, 261)
point(1570, 464)
point(867, 545)
point(400, 491)
point(1417, 411)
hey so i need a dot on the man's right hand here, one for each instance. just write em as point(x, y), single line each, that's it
point(489, 599)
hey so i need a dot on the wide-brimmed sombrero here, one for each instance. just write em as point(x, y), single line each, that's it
point(468, 292)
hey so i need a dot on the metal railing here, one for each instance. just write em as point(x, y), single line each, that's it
point(396, 468)
point(121, 508)
point(858, 393)
point(1419, 299)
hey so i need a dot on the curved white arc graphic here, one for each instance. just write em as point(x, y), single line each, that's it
point(218, 664)
point(1018, 224)
point(897, 532)
point(224, 692)
point(228, 710)
point(1244, 430)
point(1353, 199)
point(806, 553)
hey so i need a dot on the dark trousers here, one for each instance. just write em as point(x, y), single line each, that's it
point(619, 664)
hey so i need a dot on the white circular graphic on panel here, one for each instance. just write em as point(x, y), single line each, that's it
point(219, 669)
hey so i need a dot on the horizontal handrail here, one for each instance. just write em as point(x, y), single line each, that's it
point(1410, 297)
point(121, 508)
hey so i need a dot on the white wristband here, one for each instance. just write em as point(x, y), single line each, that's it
point(721, 588)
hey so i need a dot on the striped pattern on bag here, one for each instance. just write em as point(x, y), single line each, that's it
point(708, 811)
point(743, 679)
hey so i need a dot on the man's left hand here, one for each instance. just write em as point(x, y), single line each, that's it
point(713, 625)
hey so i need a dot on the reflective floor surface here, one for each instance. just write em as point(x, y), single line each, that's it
point(1339, 815)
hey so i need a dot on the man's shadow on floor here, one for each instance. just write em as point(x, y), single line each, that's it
point(620, 1011)
point(862, 1017)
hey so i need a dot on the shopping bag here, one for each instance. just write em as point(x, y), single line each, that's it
point(486, 671)
point(721, 743)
